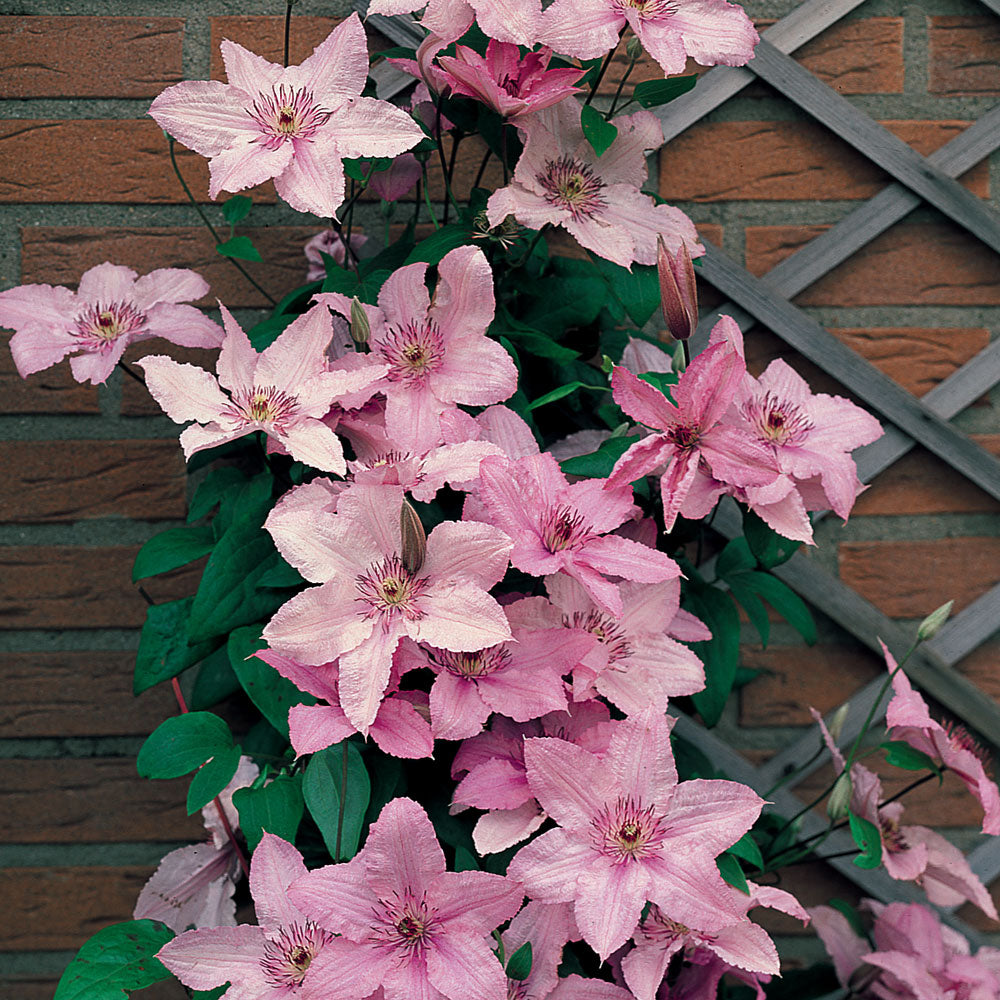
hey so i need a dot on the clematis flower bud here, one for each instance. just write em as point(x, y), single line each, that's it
point(360, 327)
point(633, 49)
point(838, 720)
point(414, 538)
point(678, 292)
point(840, 798)
point(931, 625)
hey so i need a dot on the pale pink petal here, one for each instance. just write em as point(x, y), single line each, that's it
point(299, 353)
point(476, 371)
point(460, 617)
point(319, 546)
point(479, 901)
point(663, 41)
point(367, 127)
point(495, 784)
point(550, 865)
point(34, 348)
point(237, 357)
point(463, 304)
point(637, 215)
point(502, 828)
point(275, 865)
point(577, 988)
point(845, 947)
point(344, 970)
point(689, 889)
point(583, 28)
point(457, 709)
point(641, 401)
point(51, 306)
point(245, 163)
point(312, 442)
point(747, 946)
point(515, 21)
point(197, 438)
point(313, 179)
point(107, 283)
point(377, 509)
point(315, 727)
point(641, 759)
point(617, 556)
point(338, 66)
point(364, 674)
point(252, 73)
point(205, 115)
point(609, 903)
point(205, 959)
point(168, 284)
point(468, 551)
point(191, 886)
point(96, 366)
point(402, 854)
point(715, 32)
point(183, 325)
point(570, 783)
point(185, 392)
point(711, 814)
point(338, 897)
point(463, 967)
point(401, 731)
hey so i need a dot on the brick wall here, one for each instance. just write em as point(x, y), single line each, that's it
point(91, 473)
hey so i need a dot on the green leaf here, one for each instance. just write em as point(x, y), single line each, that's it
point(770, 548)
point(210, 779)
point(358, 171)
point(172, 548)
point(720, 654)
point(851, 915)
point(661, 381)
point(116, 960)
point(432, 249)
point(236, 209)
point(752, 605)
point(653, 93)
point(338, 279)
point(465, 860)
point(210, 994)
point(281, 574)
point(868, 839)
point(736, 557)
point(562, 391)
point(215, 680)
point(263, 334)
point(323, 791)
point(638, 289)
point(901, 754)
point(276, 807)
point(731, 872)
point(181, 743)
point(273, 694)
point(747, 849)
point(600, 133)
point(519, 964)
point(164, 650)
point(784, 600)
point(541, 345)
point(240, 247)
point(216, 484)
point(598, 464)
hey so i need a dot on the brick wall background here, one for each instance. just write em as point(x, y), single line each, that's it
point(89, 474)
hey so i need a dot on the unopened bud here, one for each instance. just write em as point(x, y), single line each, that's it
point(840, 798)
point(931, 625)
point(679, 358)
point(837, 721)
point(414, 538)
point(678, 291)
point(633, 49)
point(360, 327)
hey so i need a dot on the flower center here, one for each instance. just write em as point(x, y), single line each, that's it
point(892, 836)
point(627, 832)
point(572, 185)
point(98, 326)
point(288, 955)
point(264, 405)
point(776, 420)
point(471, 665)
point(413, 351)
point(659, 927)
point(563, 528)
point(286, 113)
point(684, 438)
point(647, 9)
point(607, 630)
point(405, 923)
point(390, 589)
point(517, 989)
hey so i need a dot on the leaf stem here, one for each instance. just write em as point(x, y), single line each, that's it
point(343, 799)
point(128, 371)
point(288, 27)
point(603, 70)
point(215, 235)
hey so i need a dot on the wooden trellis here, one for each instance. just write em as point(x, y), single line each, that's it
point(908, 420)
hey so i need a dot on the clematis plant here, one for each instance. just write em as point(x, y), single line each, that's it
point(454, 501)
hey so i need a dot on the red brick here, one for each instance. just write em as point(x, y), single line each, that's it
point(63, 586)
point(89, 56)
point(779, 160)
point(77, 694)
point(858, 57)
point(98, 800)
point(910, 264)
point(69, 480)
point(59, 254)
point(796, 678)
point(911, 579)
point(51, 391)
point(56, 908)
point(963, 53)
point(266, 36)
point(920, 483)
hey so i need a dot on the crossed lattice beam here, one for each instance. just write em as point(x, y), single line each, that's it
point(917, 179)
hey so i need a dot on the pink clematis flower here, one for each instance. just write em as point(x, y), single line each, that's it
point(398, 180)
point(295, 124)
point(369, 598)
point(506, 81)
point(635, 663)
point(560, 181)
point(193, 886)
point(111, 308)
point(403, 922)
point(709, 31)
point(400, 728)
point(328, 242)
point(561, 527)
point(690, 430)
point(436, 349)
point(268, 962)
point(514, 21)
point(741, 945)
point(629, 832)
point(908, 720)
point(521, 679)
point(284, 391)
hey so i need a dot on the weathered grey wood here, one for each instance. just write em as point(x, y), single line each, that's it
point(806, 21)
point(867, 624)
point(400, 28)
point(877, 390)
point(985, 860)
point(970, 628)
point(389, 81)
point(994, 5)
point(877, 143)
point(875, 882)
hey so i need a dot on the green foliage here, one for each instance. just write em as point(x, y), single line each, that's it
point(519, 964)
point(439, 243)
point(598, 464)
point(600, 133)
point(239, 247)
point(217, 484)
point(653, 93)
point(171, 549)
point(116, 960)
point(562, 391)
point(215, 680)
point(212, 777)
point(275, 807)
point(181, 743)
point(323, 790)
point(720, 654)
point(164, 649)
point(637, 290)
point(731, 871)
point(769, 548)
point(902, 755)
point(868, 839)
point(747, 849)
point(236, 209)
